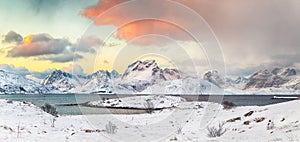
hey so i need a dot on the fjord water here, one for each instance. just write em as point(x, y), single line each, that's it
point(57, 99)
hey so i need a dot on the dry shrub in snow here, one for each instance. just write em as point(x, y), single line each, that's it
point(261, 119)
point(246, 122)
point(228, 105)
point(50, 109)
point(270, 125)
point(149, 106)
point(249, 113)
point(216, 131)
point(234, 119)
point(111, 128)
point(179, 130)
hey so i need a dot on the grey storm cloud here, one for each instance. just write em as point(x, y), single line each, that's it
point(87, 44)
point(24, 71)
point(41, 37)
point(16, 70)
point(12, 37)
point(57, 50)
point(41, 44)
point(63, 58)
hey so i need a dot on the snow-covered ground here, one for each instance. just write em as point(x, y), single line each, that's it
point(187, 122)
point(158, 101)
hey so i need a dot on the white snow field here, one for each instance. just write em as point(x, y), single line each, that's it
point(187, 121)
point(158, 101)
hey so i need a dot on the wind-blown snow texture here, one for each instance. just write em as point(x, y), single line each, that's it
point(25, 122)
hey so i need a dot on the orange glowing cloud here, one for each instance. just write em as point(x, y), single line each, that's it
point(68, 68)
point(28, 38)
point(100, 7)
point(150, 28)
point(138, 28)
point(74, 69)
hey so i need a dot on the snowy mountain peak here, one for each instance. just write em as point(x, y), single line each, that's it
point(63, 81)
point(104, 74)
point(142, 65)
point(214, 77)
point(11, 83)
point(56, 75)
point(264, 79)
point(284, 71)
point(141, 74)
point(240, 80)
point(150, 71)
point(99, 82)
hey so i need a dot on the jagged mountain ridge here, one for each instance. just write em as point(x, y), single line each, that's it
point(63, 81)
point(137, 77)
point(147, 76)
point(142, 74)
point(15, 84)
point(150, 71)
point(276, 78)
point(99, 82)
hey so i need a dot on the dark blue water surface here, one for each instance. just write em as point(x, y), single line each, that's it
point(56, 99)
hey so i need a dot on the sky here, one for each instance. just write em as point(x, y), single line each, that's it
point(237, 36)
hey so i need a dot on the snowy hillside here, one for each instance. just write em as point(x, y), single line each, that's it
point(188, 85)
point(150, 71)
point(63, 81)
point(188, 121)
point(141, 74)
point(98, 82)
point(279, 79)
point(214, 78)
point(276, 81)
point(12, 83)
point(140, 101)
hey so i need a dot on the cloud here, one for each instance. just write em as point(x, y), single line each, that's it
point(234, 19)
point(23, 71)
point(41, 38)
point(41, 75)
point(63, 58)
point(87, 44)
point(38, 76)
point(16, 70)
point(74, 69)
point(135, 29)
point(251, 33)
point(45, 47)
point(36, 45)
point(48, 7)
point(12, 37)
point(106, 62)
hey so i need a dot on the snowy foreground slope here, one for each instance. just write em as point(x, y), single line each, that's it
point(186, 122)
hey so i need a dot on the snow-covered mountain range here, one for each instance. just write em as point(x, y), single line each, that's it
point(278, 80)
point(63, 81)
point(11, 84)
point(147, 77)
